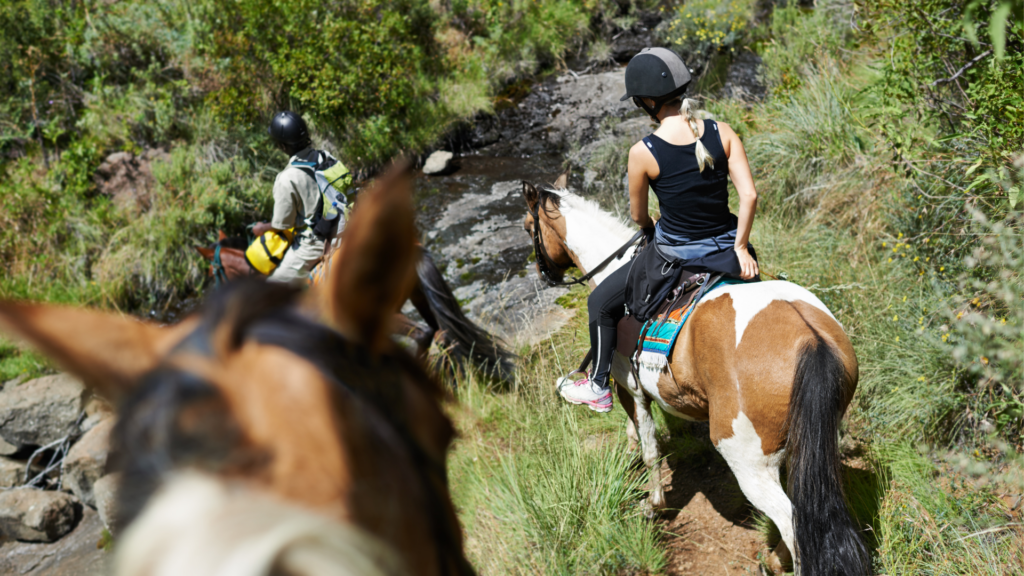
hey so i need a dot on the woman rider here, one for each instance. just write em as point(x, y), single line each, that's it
point(687, 162)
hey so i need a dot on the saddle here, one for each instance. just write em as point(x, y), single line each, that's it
point(630, 331)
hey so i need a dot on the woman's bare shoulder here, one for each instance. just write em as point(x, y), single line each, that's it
point(725, 130)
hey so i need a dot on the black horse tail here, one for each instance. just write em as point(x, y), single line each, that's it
point(468, 341)
point(827, 540)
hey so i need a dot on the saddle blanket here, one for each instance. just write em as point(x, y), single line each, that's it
point(660, 333)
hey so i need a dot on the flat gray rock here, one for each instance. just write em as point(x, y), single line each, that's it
point(35, 515)
point(105, 493)
point(86, 462)
point(40, 411)
point(12, 472)
point(76, 554)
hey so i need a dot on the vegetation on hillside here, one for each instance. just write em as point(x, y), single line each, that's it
point(889, 154)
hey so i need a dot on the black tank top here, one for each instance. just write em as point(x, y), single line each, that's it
point(694, 204)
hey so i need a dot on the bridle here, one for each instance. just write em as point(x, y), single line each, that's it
point(545, 263)
point(347, 366)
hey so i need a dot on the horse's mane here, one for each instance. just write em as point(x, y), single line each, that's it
point(567, 201)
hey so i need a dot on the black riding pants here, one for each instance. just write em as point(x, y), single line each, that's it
point(605, 307)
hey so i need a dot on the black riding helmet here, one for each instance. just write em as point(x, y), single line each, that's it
point(288, 130)
point(658, 74)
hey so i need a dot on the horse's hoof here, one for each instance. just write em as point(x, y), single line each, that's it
point(780, 559)
point(647, 509)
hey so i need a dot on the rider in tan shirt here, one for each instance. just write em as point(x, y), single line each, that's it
point(295, 199)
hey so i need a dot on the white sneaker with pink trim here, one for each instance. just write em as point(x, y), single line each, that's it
point(585, 391)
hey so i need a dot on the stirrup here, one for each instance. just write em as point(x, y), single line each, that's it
point(568, 376)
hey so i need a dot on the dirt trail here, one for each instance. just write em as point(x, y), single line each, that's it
point(709, 526)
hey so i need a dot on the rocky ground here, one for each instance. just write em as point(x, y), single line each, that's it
point(56, 495)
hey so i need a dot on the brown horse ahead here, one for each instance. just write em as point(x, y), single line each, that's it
point(433, 298)
point(273, 433)
point(766, 363)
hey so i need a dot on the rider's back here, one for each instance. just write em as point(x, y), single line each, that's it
point(694, 203)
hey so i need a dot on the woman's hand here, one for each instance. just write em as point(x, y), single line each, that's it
point(748, 266)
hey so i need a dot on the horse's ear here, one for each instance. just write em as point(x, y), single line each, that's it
point(221, 235)
point(531, 194)
point(374, 270)
point(562, 182)
point(205, 252)
point(109, 352)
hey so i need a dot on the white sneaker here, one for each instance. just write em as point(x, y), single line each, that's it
point(597, 398)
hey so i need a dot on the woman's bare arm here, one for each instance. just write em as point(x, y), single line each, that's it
point(640, 161)
point(739, 172)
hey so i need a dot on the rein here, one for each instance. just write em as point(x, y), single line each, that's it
point(544, 263)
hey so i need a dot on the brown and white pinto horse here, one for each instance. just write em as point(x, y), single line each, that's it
point(766, 363)
point(274, 432)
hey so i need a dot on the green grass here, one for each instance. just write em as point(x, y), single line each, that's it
point(544, 487)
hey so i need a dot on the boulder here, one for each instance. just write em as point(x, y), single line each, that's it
point(40, 411)
point(86, 462)
point(105, 493)
point(12, 473)
point(36, 515)
point(438, 163)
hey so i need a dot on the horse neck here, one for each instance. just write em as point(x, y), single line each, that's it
point(591, 235)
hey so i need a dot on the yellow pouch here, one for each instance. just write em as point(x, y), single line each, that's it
point(266, 252)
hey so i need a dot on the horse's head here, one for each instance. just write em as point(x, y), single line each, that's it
point(273, 431)
point(227, 263)
point(546, 226)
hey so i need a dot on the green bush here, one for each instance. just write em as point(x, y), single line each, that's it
point(701, 28)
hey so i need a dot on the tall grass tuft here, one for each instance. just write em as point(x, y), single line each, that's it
point(544, 487)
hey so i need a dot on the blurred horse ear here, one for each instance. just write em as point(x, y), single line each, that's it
point(221, 235)
point(205, 252)
point(562, 181)
point(374, 270)
point(109, 352)
point(531, 194)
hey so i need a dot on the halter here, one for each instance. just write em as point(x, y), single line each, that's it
point(545, 263)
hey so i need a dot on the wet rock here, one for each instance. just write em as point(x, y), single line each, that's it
point(743, 80)
point(36, 515)
point(76, 554)
point(40, 411)
point(627, 43)
point(12, 473)
point(105, 495)
point(437, 163)
point(86, 462)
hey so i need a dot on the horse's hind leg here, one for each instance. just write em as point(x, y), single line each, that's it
point(758, 477)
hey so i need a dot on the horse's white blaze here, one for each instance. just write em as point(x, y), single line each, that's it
point(758, 475)
point(749, 299)
point(593, 234)
point(622, 373)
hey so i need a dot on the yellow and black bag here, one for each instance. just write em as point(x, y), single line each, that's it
point(266, 252)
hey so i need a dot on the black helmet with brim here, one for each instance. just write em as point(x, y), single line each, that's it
point(658, 74)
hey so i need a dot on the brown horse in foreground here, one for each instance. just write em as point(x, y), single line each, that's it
point(274, 432)
point(459, 336)
point(766, 363)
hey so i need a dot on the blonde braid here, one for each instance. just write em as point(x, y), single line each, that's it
point(702, 154)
